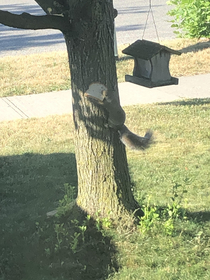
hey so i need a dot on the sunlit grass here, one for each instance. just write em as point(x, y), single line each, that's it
point(34, 73)
point(37, 159)
point(45, 72)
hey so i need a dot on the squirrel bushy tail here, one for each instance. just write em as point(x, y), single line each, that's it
point(116, 117)
point(134, 141)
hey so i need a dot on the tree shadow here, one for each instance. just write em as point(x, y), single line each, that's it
point(125, 58)
point(196, 47)
point(130, 27)
point(20, 39)
point(135, 9)
point(188, 102)
point(199, 216)
point(35, 39)
point(20, 8)
point(85, 251)
point(30, 186)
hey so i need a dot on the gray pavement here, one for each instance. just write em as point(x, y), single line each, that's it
point(129, 24)
point(58, 103)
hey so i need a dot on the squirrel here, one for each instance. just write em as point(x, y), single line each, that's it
point(117, 116)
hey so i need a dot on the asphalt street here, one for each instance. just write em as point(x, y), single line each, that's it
point(129, 24)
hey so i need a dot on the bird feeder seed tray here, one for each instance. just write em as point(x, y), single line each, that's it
point(151, 64)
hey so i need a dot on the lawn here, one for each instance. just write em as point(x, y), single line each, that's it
point(45, 72)
point(171, 181)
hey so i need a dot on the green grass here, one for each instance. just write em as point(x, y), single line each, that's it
point(37, 169)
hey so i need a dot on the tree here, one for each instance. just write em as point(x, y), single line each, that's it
point(192, 17)
point(87, 25)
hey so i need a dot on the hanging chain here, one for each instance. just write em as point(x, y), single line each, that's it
point(153, 18)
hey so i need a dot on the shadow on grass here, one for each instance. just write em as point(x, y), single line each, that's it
point(188, 102)
point(200, 216)
point(197, 217)
point(124, 58)
point(33, 246)
point(80, 249)
point(196, 47)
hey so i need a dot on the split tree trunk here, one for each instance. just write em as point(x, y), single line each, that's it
point(103, 177)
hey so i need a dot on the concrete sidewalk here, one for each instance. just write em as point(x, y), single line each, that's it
point(58, 103)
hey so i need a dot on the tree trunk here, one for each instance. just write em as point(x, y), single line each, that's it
point(103, 177)
point(88, 26)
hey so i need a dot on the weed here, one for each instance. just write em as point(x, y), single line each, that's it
point(83, 229)
point(61, 233)
point(163, 218)
point(103, 222)
point(65, 202)
point(75, 241)
point(150, 218)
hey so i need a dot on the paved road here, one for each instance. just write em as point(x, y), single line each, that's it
point(132, 17)
point(129, 26)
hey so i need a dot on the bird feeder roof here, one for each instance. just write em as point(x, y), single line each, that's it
point(146, 49)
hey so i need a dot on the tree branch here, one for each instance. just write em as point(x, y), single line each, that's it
point(27, 21)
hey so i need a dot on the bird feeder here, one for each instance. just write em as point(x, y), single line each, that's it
point(151, 64)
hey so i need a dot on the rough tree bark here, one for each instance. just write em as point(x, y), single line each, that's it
point(103, 177)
